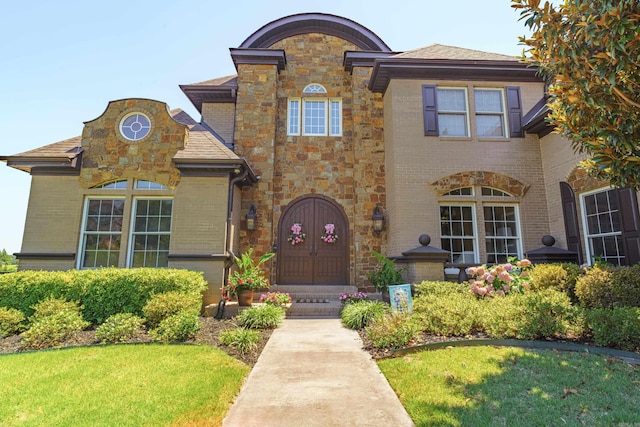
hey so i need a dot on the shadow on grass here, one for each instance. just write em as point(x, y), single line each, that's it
point(497, 386)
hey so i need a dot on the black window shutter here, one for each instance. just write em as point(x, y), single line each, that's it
point(514, 108)
point(630, 225)
point(570, 214)
point(430, 110)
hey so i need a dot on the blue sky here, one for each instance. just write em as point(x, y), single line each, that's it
point(62, 61)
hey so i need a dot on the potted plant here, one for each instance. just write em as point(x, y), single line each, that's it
point(386, 274)
point(247, 278)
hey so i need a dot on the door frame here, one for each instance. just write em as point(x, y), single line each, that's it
point(281, 238)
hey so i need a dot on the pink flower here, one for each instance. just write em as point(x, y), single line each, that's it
point(523, 263)
point(472, 271)
point(480, 271)
point(508, 267)
point(503, 275)
point(490, 278)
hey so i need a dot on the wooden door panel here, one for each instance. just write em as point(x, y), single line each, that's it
point(313, 261)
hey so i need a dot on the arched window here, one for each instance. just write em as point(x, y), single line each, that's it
point(314, 114)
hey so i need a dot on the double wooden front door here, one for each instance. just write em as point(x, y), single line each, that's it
point(313, 261)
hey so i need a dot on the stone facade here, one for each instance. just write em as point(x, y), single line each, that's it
point(348, 168)
point(109, 156)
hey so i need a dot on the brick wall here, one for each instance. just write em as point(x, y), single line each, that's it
point(220, 116)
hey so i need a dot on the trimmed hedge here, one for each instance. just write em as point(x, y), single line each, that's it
point(617, 327)
point(561, 277)
point(103, 292)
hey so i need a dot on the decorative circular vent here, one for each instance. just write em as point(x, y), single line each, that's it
point(135, 126)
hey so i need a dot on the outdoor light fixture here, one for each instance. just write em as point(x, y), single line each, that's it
point(378, 219)
point(251, 218)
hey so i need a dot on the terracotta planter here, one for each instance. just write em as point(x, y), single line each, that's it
point(245, 298)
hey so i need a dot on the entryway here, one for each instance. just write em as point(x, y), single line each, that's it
point(315, 258)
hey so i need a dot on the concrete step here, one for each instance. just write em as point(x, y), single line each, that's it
point(314, 301)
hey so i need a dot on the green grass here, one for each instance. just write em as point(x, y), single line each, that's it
point(488, 386)
point(124, 385)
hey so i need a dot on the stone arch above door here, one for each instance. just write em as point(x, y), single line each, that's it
point(313, 261)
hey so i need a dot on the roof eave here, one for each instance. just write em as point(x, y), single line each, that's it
point(447, 69)
point(45, 165)
point(221, 166)
point(198, 94)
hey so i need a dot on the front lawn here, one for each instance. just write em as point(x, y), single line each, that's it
point(123, 385)
point(489, 386)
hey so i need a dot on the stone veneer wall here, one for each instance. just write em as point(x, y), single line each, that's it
point(108, 156)
point(348, 168)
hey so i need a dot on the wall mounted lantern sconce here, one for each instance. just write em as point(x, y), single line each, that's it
point(251, 218)
point(378, 219)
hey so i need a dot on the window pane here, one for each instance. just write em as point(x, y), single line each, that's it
point(152, 234)
point(490, 125)
point(452, 124)
point(604, 230)
point(451, 100)
point(294, 117)
point(101, 234)
point(488, 101)
point(315, 117)
point(456, 226)
point(336, 118)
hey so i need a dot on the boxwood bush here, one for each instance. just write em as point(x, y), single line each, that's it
point(609, 287)
point(54, 320)
point(11, 321)
point(392, 330)
point(119, 328)
point(102, 292)
point(561, 277)
point(617, 327)
point(179, 327)
point(452, 314)
point(161, 306)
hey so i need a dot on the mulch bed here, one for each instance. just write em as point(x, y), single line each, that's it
point(208, 335)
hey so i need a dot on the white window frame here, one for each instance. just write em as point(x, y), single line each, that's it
point(517, 238)
point(585, 226)
point(133, 233)
point(454, 112)
point(502, 114)
point(84, 233)
point(474, 222)
point(293, 122)
point(296, 116)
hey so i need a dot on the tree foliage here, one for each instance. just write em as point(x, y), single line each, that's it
point(588, 51)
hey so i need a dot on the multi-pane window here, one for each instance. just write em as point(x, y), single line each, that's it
point(457, 233)
point(490, 114)
point(102, 232)
point(149, 227)
point(501, 233)
point(452, 112)
point(494, 226)
point(314, 114)
point(151, 233)
point(603, 226)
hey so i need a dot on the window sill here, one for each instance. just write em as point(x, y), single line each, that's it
point(494, 139)
point(455, 138)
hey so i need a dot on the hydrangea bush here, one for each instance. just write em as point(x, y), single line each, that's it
point(500, 279)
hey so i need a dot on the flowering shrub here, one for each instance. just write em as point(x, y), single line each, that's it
point(351, 297)
point(329, 235)
point(279, 299)
point(297, 236)
point(500, 279)
point(249, 276)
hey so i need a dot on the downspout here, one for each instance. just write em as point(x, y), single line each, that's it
point(227, 244)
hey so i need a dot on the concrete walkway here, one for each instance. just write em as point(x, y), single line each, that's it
point(313, 372)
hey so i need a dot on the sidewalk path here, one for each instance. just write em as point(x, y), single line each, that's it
point(313, 372)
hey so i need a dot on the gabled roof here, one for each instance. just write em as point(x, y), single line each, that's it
point(441, 51)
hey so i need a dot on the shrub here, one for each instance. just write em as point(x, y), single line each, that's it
point(359, 314)
point(594, 289)
point(179, 327)
point(102, 292)
point(441, 288)
point(454, 314)
point(119, 327)
point(609, 287)
point(547, 314)
point(279, 299)
point(500, 279)
point(392, 330)
point(618, 327)
point(243, 340)
point(49, 331)
point(51, 306)
point(161, 306)
point(262, 317)
point(549, 276)
point(11, 321)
